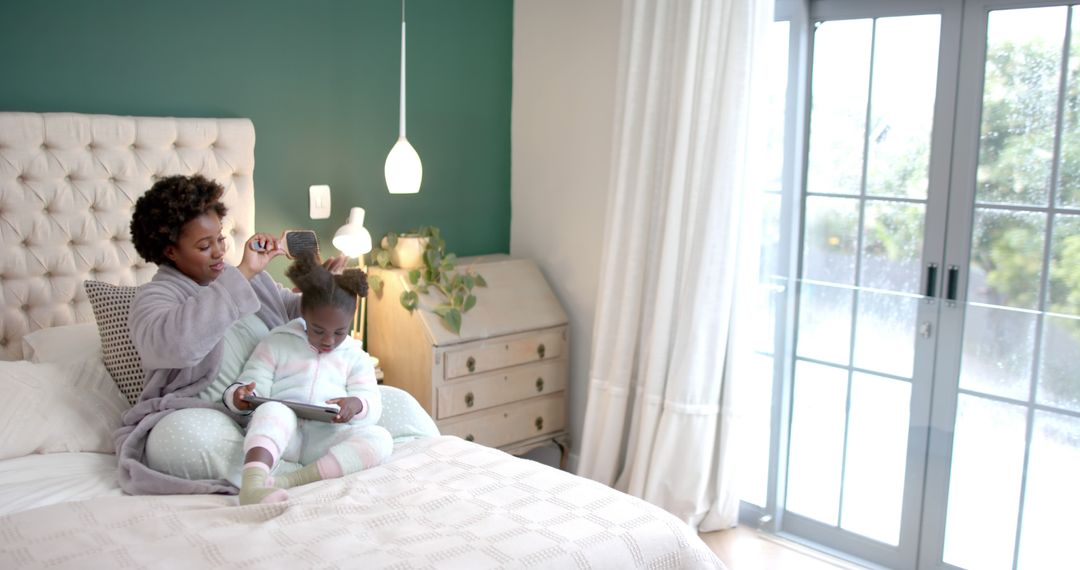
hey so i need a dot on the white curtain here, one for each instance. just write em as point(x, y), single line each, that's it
point(655, 423)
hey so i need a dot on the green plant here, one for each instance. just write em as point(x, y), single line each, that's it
point(437, 276)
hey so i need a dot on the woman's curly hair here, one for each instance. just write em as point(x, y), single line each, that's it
point(161, 213)
point(321, 288)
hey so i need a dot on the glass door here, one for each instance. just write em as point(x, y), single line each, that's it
point(927, 410)
point(1005, 492)
point(872, 239)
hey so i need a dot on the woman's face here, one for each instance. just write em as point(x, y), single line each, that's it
point(200, 251)
point(327, 327)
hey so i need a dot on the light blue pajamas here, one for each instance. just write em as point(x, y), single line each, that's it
point(355, 446)
point(285, 366)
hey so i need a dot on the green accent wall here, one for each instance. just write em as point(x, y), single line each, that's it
point(319, 78)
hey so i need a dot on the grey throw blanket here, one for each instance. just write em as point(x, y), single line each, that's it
point(178, 327)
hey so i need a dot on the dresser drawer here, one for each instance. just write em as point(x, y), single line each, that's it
point(496, 388)
point(510, 423)
point(502, 352)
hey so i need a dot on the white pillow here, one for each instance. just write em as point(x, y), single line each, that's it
point(65, 343)
point(56, 407)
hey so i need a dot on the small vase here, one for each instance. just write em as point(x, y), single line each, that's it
point(409, 251)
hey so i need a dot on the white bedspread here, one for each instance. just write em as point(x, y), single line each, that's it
point(438, 503)
point(38, 480)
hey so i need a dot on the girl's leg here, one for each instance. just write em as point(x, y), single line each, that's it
point(332, 451)
point(271, 427)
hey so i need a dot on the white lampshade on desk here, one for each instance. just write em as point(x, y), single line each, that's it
point(353, 239)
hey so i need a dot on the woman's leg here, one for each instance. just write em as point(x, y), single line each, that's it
point(196, 443)
point(268, 434)
point(334, 450)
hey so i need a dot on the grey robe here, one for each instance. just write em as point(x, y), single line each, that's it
point(178, 327)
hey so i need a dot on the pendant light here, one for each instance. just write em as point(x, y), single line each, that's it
point(403, 170)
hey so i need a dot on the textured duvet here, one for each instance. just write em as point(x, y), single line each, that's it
point(437, 503)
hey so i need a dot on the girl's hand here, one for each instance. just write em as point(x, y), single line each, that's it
point(258, 251)
point(350, 406)
point(239, 395)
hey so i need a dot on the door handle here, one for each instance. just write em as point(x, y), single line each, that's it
point(931, 280)
point(954, 278)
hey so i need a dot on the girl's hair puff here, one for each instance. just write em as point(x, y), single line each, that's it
point(320, 287)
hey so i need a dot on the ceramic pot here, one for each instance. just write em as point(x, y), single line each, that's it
point(409, 251)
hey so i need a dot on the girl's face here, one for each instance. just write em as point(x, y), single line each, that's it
point(327, 327)
point(200, 251)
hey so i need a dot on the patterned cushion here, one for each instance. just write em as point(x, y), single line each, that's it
point(110, 304)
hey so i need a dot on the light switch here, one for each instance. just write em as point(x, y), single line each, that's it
point(319, 195)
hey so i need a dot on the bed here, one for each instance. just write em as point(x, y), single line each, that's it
point(67, 185)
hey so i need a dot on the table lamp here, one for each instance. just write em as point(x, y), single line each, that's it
point(354, 240)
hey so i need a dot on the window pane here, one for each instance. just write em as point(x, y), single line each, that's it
point(998, 347)
point(832, 226)
point(1069, 167)
point(840, 86)
point(876, 457)
point(902, 106)
point(1006, 258)
point(1020, 96)
point(885, 333)
point(892, 246)
point(1064, 288)
point(825, 323)
point(817, 441)
point(1059, 383)
point(1052, 497)
point(984, 485)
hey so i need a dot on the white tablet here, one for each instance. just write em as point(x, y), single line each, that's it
point(303, 410)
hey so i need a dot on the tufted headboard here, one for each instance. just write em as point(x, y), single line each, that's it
point(68, 183)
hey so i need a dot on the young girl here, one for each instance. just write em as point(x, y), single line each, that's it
point(311, 359)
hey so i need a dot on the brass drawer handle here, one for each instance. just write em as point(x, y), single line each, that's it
point(540, 350)
point(470, 437)
point(539, 423)
point(469, 400)
point(539, 384)
point(471, 364)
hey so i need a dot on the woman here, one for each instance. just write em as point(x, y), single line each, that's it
point(193, 325)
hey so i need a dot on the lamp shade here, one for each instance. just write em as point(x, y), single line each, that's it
point(403, 169)
point(353, 239)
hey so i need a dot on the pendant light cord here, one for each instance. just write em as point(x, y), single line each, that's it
point(401, 123)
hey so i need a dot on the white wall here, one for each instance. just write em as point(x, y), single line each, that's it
point(561, 134)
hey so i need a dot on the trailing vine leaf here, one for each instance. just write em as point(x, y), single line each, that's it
point(409, 300)
point(470, 302)
point(382, 257)
point(453, 320)
point(375, 283)
point(414, 276)
point(480, 280)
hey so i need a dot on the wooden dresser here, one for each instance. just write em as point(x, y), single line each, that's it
point(503, 381)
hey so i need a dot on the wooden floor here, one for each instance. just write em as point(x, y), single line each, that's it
point(743, 548)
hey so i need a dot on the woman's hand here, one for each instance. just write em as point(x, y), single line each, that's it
point(350, 406)
point(241, 393)
point(258, 251)
point(336, 265)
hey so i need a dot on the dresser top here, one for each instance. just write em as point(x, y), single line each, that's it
point(517, 299)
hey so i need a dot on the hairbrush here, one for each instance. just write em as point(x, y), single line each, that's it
point(294, 243)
